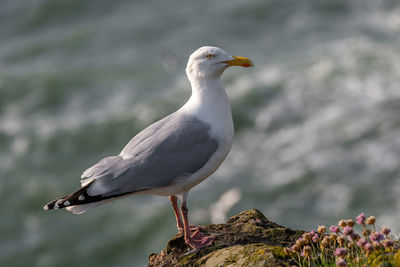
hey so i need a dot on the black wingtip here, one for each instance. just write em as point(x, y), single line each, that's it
point(57, 204)
point(79, 197)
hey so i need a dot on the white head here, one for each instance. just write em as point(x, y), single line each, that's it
point(209, 62)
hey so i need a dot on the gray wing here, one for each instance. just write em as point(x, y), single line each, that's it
point(171, 148)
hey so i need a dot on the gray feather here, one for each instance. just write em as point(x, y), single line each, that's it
point(174, 147)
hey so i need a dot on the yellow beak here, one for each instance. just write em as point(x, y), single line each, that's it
point(240, 61)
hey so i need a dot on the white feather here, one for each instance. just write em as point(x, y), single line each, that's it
point(79, 209)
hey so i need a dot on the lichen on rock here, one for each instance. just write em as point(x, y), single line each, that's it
point(247, 239)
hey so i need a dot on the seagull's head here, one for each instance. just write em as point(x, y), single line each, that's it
point(209, 62)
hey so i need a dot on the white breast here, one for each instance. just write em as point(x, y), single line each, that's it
point(209, 102)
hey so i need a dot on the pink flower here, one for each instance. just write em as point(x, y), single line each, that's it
point(307, 237)
point(307, 250)
point(295, 248)
point(341, 262)
point(376, 237)
point(354, 236)
point(300, 242)
point(334, 229)
point(315, 238)
point(387, 243)
point(341, 252)
point(361, 242)
point(385, 230)
point(368, 247)
point(347, 230)
point(360, 218)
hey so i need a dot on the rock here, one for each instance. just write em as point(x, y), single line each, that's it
point(247, 239)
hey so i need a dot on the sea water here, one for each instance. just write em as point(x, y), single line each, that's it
point(317, 120)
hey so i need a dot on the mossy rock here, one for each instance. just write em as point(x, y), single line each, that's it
point(247, 239)
point(239, 255)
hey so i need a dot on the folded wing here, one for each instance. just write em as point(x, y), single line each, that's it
point(174, 147)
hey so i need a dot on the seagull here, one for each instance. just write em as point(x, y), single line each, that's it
point(172, 155)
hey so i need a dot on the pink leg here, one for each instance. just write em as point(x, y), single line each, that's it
point(174, 202)
point(179, 224)
point(197, 240)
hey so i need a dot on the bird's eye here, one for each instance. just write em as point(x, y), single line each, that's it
point(210, 56)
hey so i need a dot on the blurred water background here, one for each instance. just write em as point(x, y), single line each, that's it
point(317, 121)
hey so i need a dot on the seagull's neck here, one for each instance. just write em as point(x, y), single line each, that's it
point(207, 91)
point(208, 95)
point(209, 102)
